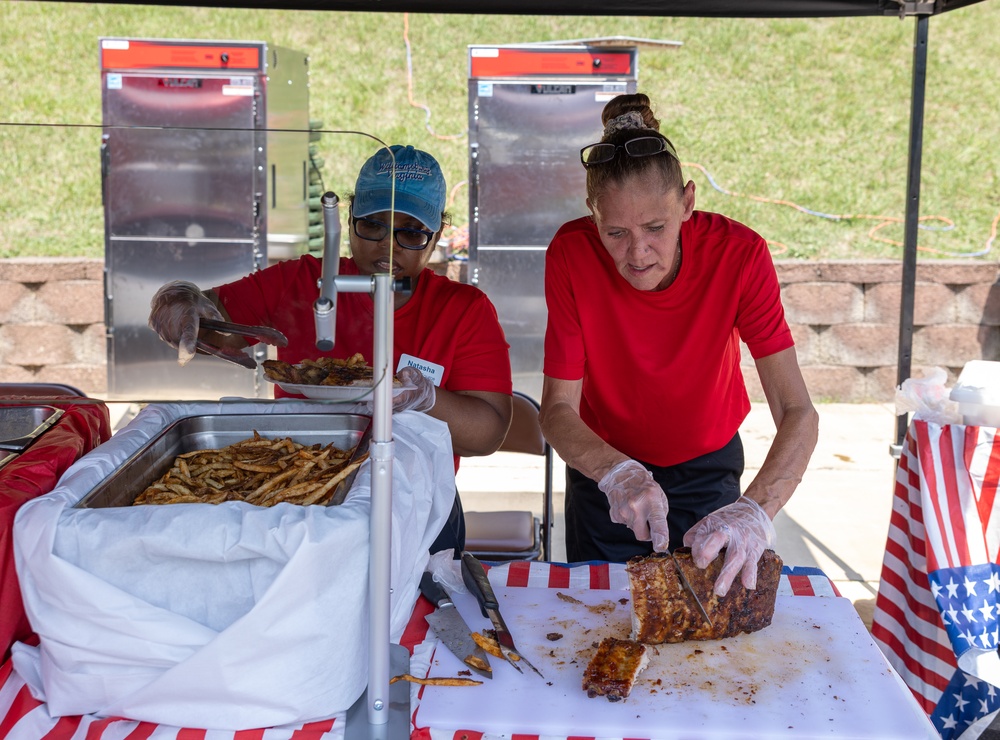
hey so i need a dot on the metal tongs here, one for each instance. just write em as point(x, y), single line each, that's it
point(478, 582)
point(690, 590)
point(264, 334)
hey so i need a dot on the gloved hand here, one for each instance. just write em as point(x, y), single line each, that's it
point(638, 502)
point(419, 397)
point(175, 312)
point(744, 529)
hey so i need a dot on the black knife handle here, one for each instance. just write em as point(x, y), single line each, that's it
point(433, 590)
point(478, 582)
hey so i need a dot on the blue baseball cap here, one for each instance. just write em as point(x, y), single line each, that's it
point(420, 186)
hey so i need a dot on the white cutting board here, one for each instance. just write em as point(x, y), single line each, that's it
point(814, 672)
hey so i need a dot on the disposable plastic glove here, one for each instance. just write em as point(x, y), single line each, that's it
point(175, 314)
point(447, 571)
point(417, 393)
point(744, 529)
point(420, 397)
point(638, 502)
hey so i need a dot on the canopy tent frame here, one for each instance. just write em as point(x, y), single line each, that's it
point(377, 725)
point(911, 219)
point(651, 8)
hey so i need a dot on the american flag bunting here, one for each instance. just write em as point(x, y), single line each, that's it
point(937, 615)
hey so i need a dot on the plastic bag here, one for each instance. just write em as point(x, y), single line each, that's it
point(447, 571)
point(928, 399)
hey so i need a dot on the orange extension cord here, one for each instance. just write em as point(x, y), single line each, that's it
point(883, 220)
point(409, 85)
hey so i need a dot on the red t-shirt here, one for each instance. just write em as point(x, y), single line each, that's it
point(447, 323)
point(661, 370)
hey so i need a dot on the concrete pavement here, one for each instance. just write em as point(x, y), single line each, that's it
point(838, 518)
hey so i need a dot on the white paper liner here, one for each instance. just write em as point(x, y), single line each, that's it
point(229, 616)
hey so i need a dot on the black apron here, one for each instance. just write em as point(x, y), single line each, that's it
point(453, 533)
point(694, 489)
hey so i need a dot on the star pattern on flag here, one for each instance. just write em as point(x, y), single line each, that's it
point(993, 583)
point(968, 600)
point(964, 701)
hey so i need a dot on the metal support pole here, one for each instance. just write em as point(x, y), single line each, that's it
point(381, 519)
point(383, 711)
point(386, 708)
point(912, 218)
point(325, 306)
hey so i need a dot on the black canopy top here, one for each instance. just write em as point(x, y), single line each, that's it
point(692, 8)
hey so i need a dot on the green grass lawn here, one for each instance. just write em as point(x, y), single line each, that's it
point(811, 112)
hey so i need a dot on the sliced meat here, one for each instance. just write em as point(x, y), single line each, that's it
point(664, 611)
point(614, 667)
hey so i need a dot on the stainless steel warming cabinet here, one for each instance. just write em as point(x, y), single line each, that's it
point(531, 109)
point(205, 170)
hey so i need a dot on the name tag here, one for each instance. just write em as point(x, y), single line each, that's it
point(430, 370)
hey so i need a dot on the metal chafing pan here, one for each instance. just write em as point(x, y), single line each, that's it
point(150, 462)
point(22, 425)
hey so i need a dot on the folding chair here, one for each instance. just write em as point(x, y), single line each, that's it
point(516, 535)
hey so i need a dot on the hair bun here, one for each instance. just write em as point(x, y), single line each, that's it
point(637, 103)
point(624, 122)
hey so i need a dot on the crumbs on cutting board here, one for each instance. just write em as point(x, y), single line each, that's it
point(603, 607)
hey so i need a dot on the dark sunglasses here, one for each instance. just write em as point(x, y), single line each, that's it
point(375, 231)
point(643, 146)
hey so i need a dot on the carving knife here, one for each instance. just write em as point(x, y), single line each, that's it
point(478, 582)
point(687, 585)
point(449, 626)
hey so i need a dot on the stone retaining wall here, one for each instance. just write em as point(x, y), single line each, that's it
point(844, 316)
point(52, 322)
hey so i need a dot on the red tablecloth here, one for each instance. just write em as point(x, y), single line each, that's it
point(84, 425)
point(24, 718)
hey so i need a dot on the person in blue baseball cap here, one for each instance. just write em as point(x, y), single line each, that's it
point(448, 342)
point(419, 191)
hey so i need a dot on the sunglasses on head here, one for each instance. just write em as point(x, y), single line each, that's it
point(643, 146)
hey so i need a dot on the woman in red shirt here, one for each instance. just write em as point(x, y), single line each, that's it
point(643, 396)
point(448, 342)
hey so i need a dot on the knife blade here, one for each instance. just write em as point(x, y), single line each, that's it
point(690, 590)
point(479, 585)
point(449, 626)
